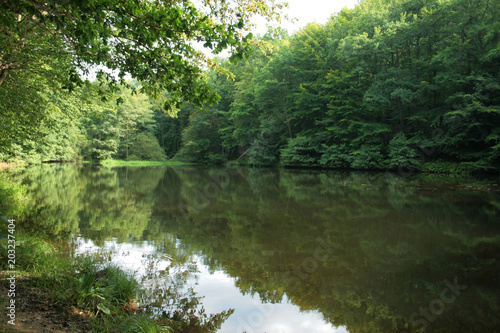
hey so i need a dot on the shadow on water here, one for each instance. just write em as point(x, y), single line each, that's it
point(371, 252)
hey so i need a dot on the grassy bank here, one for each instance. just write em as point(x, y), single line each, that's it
point(80, 294)
point(116, 163)
point(86, 294)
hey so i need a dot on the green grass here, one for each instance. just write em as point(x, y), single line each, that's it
point(13, 197)
point(115, 163)
point(86, 283)
point(104, 293)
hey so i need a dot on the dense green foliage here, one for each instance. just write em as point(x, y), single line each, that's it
point(124, 131)
point(386, 85)
point(389, 85)
point(81, 126)
point(46, 46)
point(152, 41)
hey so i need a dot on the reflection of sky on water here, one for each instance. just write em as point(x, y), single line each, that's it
point(250, 314)
point(128, 256)
point(220, 293)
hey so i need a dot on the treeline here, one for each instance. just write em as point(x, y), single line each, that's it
point(387, 85)
point(88, 124)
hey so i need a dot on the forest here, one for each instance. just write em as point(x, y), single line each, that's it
point(404, 85)
point(407, 86)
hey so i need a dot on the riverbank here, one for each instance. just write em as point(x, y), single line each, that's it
point(422, 167)
point(51, 291)
point(36, 311)
point(118, 163)
point(48, 289)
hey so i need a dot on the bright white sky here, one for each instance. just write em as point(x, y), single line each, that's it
point(309, 11)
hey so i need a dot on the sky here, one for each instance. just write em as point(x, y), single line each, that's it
point(309, 11)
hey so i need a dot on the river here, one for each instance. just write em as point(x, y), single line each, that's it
point(290, 251)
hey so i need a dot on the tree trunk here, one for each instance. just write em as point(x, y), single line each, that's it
point(3, 75)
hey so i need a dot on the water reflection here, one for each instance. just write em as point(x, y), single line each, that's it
point(251, 314)
point(369, 252)
point(217, 289)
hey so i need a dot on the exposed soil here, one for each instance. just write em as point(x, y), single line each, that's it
point(35, 313)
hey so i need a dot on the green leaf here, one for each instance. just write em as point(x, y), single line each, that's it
point(103, 308)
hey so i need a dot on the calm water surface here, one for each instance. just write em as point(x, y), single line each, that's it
point(292, 250)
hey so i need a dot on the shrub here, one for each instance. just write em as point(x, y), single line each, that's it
point(335, 156)
point(367, 157)
point(262, 153)
point(146, 147)
point(300, 151)
point(400, 153)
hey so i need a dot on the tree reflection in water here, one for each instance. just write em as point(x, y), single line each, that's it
point(393, 242)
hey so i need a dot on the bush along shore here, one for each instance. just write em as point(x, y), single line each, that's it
point(44, 287)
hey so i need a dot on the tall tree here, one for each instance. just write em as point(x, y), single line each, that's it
point(150, 40)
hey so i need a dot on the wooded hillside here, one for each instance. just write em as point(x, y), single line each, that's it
point(389, 85)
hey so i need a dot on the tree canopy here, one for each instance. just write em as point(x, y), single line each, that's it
point(45, 46)
point(399, 85)
point(402, 85)
point(152, 41)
